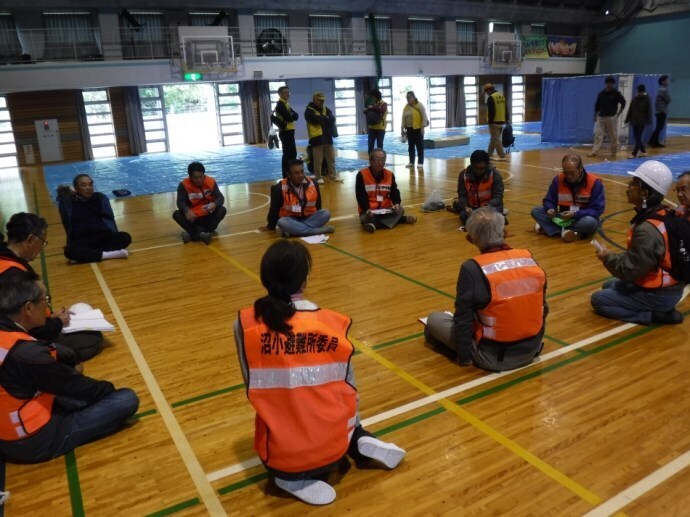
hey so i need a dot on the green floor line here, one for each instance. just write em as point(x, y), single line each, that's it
point(175, 508)
point(396, 341)
point(207, 395)
point(571, 289)
point(73, 484)
point(144, 414)
point(241, 484)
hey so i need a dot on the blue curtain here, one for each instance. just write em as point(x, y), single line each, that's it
point(651, 82)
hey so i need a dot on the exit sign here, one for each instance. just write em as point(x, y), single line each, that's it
point(193, 76)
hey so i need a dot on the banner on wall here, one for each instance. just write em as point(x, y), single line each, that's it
point(560, 46)
point(535, 47)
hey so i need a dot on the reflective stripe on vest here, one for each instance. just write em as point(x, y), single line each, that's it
point(516, 309)
point(375, 189)
point(583, 193)
point(479, 194)
point(21, 417)
point(200, 196)
point(659, 277)
point(291, 203)
point(305, 408)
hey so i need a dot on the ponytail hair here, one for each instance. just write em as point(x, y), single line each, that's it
point(284, 269)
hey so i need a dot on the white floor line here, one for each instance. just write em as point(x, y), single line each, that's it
point(239, 467)
point(206, 493)
point(640, 488)
point(180, 243)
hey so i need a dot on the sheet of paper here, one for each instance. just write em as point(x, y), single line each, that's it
point(88, 320)
point(382, 211)
point(424, 320)
point(315, 239)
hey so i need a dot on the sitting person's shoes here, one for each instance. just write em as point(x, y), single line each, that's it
point(410, 219)
point(569, 235)
point(117, 254)
point(281, 232)
point(387, 453)
point(310, 491)
point(671, 317)
point(205, 237)
point(538, 228)
point(328, 229)
point(369, 227)
point(186, 237)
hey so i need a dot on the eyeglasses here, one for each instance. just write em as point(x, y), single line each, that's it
point(45, 242)
point(47, 298)
point(633, 183)
point(682, 189)
point(379, 159)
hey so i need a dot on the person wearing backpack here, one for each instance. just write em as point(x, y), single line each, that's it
point(376, 113)
point(643, 290)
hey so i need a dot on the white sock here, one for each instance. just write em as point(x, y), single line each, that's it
point(117, 254)
point(387, 453)
point(310, 491)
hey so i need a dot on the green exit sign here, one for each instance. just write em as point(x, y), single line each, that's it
point(193, 76)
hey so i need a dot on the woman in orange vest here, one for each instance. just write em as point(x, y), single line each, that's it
point(295, 360)
point(643, 291)
point(681, 188)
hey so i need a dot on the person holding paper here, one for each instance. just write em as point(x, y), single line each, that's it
point(47, 407)
point(378, 197)
point(295, 209)
point(500, 306)
point(573, 204)
point(26, 237)
point(296, 364)
point(479, 185)
point(199, 205)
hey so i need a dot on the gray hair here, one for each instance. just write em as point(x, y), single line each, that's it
point(485, 228)
point(377, 150)
point(16, 288)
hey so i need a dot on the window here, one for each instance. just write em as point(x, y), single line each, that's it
point(471, 100)
point(326, 34)
point(345, 108)
point(422, 36)
point(517, 99)
point(70, 35)
point(271, 33)
point(384, 85)
point(500, 27)
point(467, 38)
point(8, 149)
point(99, 122)
point(10, 49)
point(437, 102)
point(273, 89)
point(153, 113)
point(147, 38)
point(197, 19)
point(538, 29)
point(383, 33)
point(230, 113)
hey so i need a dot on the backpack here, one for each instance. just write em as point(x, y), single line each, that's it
point(373, 117)
point(678, 231)
point(310, 162)
point(278, 122)
point(507, 138)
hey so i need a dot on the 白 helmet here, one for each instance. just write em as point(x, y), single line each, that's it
point(655, 174)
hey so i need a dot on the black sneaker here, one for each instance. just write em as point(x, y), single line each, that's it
point(205, 237)
point(186, 237)
point(672, 317)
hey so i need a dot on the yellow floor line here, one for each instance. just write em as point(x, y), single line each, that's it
point(449, 405)
point(206, 492)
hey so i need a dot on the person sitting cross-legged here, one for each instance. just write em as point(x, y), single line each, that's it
point(479, 185)
point(378, 197)
point(295, 209)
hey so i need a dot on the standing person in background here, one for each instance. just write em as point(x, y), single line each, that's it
point(414, 120)
point(286, 118)
point(199, 205)
point(89, 223)
point(639, 115)
point(377, 118)
point(321, 128)
point(661, 102)
point(606, 113)
point(496, 104)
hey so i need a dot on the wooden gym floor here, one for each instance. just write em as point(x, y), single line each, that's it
point(601, 418)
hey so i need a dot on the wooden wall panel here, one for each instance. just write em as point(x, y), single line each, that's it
point(117, 105)
point(26, 107)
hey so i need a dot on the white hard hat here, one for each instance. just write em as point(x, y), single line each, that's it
point(655, 174)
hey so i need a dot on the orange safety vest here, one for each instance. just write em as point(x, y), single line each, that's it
point(379, 192)
point(305, 409)
point(200, 197)
point(292, 205)
point(516, 309)
point(7, 263)
point(479, 194)
point(582, 196)
point(659, 277)
point(20, 418)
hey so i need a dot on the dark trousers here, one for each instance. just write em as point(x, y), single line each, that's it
point(287, 139)
point(208, 223)
point(660, 122)
point(639, 144)
point(376, 135)
point(86, 344)
point(91, 248)
point(415, 141)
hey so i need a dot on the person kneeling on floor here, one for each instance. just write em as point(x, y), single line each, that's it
point(295, 209)
point(500, 306)
point(295, 360)
point(199, 205)
point(378, 197)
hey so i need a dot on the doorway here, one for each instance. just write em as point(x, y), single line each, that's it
point(402, 85)
point(191, 117)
